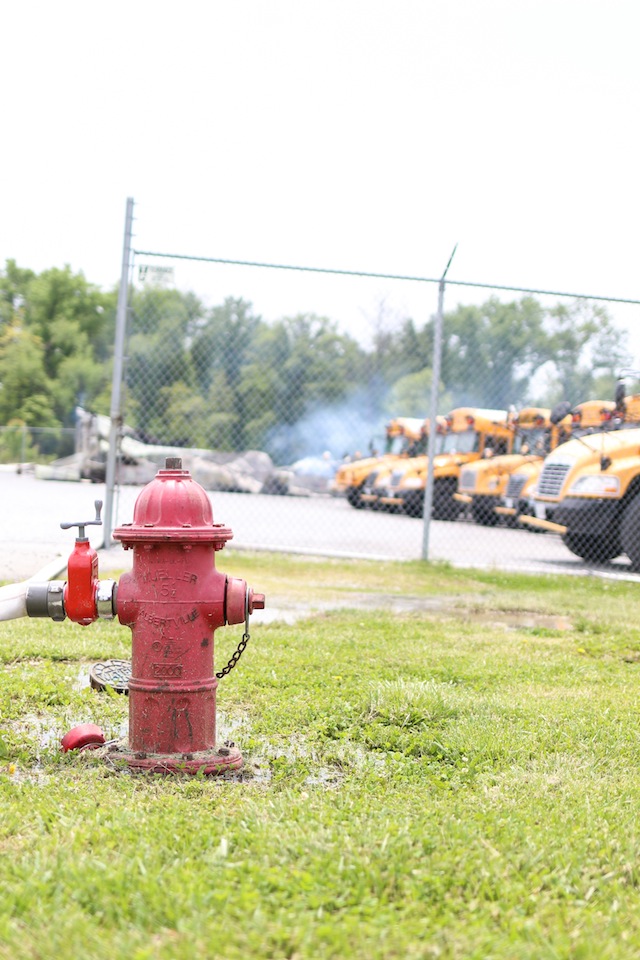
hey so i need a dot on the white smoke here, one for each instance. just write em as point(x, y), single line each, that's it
point(341, 430)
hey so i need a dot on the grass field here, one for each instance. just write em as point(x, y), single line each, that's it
point(438, 763)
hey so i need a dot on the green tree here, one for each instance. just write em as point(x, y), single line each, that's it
point(321, 362)
point(160, 366)
point(181, 416)
point(14, 286)
point(491, 351)
point(586, 352)
point(70, 314)
point(23, 378)
point(317, 369)
point(71, 321)
point(221, 350)
point(411, 395)
point(398, 349)
point(224, 342)
point(502, 354)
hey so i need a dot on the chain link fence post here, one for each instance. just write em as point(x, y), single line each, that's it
point(117, 379)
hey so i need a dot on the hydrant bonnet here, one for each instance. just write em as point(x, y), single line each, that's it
point(173, 507)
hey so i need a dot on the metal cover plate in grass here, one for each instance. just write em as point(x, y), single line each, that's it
point(111, 673)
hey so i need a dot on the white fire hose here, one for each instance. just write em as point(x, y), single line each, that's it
point(13, 601)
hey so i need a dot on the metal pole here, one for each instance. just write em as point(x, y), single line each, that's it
point(23, 446)
point(116, 382)
point(433, 412)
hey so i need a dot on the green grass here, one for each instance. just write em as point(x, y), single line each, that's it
point(457, 781)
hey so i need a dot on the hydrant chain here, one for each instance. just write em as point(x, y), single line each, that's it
point(235, 656)
point(241, 646)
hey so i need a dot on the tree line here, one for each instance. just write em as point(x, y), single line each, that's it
point(223, 378)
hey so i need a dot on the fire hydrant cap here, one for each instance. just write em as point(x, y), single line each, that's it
point(86, 736)
point(173, 507)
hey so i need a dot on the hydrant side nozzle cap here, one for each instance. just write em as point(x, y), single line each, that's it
point(256, 601)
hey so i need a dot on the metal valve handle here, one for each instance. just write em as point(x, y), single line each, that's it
point(81, 524)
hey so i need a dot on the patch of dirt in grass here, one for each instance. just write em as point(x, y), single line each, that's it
point(288, 611)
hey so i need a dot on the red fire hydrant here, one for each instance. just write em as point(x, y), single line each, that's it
point(173, 600)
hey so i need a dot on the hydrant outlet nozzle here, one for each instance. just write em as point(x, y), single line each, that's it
point(106, 598)
point(240, 601)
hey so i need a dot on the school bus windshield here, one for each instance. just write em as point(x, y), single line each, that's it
point(580, 431)
point(534, 441)
point(411, 446)
point(465, 441)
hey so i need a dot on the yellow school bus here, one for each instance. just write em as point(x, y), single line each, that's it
point(483, 483)
point(469, 432)
point(589, 489)
point(374, 487)
point(404, 437)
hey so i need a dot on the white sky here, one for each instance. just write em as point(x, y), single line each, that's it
point(356, 134)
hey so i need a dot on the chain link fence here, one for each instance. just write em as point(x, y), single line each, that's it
point(312, 440)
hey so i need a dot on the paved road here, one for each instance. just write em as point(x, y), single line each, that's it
point(32, 511)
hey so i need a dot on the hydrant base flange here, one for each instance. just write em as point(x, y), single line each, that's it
point(202, 762)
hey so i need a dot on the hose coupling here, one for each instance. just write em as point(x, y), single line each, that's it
point(46, 600)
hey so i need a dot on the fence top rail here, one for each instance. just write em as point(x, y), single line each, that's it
point(384, 276)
